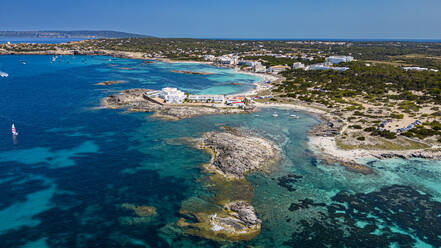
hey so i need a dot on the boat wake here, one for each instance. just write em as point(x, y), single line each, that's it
point(3, 74)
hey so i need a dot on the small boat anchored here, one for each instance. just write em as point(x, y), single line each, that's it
point(3, 74)
point(275, 115)
point(294, 116)
point(14, 131)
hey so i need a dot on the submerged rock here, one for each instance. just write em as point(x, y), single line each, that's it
point(393, 216)
point(106, 83)
point(235, 221)
point(140, 210)
point(143, 214)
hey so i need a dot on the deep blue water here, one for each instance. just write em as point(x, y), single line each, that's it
point(64, 178)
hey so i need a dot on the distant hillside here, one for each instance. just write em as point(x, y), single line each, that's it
point(70, 34)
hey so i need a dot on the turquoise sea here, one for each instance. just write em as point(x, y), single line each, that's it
point(64, 178)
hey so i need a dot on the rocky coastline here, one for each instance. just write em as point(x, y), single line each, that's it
point(323, 140)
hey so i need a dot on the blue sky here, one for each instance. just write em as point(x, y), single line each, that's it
point(410, 19)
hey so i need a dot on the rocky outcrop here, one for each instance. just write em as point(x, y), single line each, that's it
point(236, 153)
point(137, 100)
point(244, 212)
point(106, 83)
point(236, 221)
point(231, 217)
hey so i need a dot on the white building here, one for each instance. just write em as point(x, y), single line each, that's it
point(339, 59)
point(229, 59)
point(415, 68)
point(324, 67)
point(279, 68)
point(207, 98)
point(298, 65)
point(172, 95)
point(259, 68)
point(209, 57)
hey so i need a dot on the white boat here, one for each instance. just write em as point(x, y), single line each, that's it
point(294, 116)
point(14, 132)
point(23, 62)
point(3, 74)
point(275, 115)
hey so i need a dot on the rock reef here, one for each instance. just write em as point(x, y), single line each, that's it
point(137, 215)
point(110, 82)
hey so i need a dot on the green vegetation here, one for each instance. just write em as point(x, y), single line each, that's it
point(373, 82)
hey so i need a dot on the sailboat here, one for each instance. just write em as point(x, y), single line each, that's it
point(14, 132)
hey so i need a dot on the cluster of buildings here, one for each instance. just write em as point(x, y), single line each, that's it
point(207, 98)
point(234, 60)
point(328, 65)
point(415, 68)
point(339, 59)
point(318, 67)
point(256, 66)
point(176, 96)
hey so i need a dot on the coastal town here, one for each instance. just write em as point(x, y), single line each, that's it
point(333, 78)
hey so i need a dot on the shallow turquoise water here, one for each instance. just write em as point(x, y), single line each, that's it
point(73, 165)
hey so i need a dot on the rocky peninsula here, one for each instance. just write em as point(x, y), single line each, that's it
point(234, 154)
point(138, 100)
